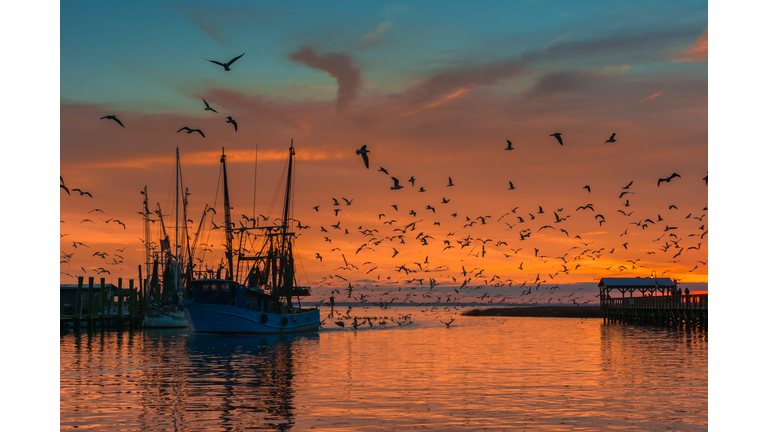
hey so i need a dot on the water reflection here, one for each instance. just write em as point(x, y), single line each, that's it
point(165, 380)
point(486, 373)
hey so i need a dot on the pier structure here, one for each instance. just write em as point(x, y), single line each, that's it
point(102, 305)
point(659, 302)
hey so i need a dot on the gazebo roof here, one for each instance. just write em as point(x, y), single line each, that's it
point(636, 282)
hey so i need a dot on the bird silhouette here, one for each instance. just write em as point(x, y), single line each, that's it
point(396, 186)
point(363, 151)
point(667, 179)
point(208, 107)
point(450, 182)
point(231, 120)
point(189, 131)
point(627, 186)
point(82, 192)
point(63, 186)
point(228, 64)
point(587, 188)
point(511, 186)
point(611, 139)
point(558, 136)
point(111, 117)
point(383, 170)
point(509, 145)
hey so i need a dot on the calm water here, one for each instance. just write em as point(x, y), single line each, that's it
point(487, 373)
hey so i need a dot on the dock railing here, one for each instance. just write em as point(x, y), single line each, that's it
point(685, 302)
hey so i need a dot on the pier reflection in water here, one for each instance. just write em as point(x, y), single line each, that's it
point(482, 373)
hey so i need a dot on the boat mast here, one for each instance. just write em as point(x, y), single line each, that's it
point(147, 252)
point(285, 247)
point(176, 244)
point(227, 216)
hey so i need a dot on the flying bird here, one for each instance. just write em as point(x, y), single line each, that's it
point(587, 188)
point(228, 64)
point(363, 151)
point(231, 120)
point(611, 139)
point(557, 135)
point(412, 180)
point(62, 185)
point(627, 186)
point(511, 186)
point(383, 170)
point(208, 107)
point(111, 117)
point(397, 185)
point(667, 179)
point(509, 145)
point(82, 192)
point(189, 131)
point(450, 182)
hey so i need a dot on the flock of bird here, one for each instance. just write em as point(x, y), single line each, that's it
point(442, 289)
point(470, 286)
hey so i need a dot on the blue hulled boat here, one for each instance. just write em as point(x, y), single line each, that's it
point(267, 301)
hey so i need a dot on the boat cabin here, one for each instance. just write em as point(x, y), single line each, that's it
point(227, 292)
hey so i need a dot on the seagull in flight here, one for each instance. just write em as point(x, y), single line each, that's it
point(111, 117)
point(63, 186)
point(511, 186)
point(397, 184)
point(82, 192)
point(363, 151)
point(611, 139)
point(667, 179)
point(228, 64)
point(450, 182)
point(509, 145)
point(208, 107)
point(558, 136)
point(189, 131)
point(231, 120)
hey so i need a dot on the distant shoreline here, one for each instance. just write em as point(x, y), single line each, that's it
point(587, 311)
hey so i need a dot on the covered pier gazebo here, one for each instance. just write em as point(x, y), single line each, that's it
point(646, 286)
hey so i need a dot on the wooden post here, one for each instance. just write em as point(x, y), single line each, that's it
point(131, 302)
point(91, 303)
point(103, 298)
point(141, 291)
point(120, 302)
point(78, 303)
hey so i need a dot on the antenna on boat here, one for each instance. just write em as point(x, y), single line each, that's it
point(227, 216)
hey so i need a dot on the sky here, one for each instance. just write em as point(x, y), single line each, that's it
point(404, 51)
point(434, 91)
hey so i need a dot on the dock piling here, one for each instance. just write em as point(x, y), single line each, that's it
point(78, 303)
point(91, 304)
point(120, 302)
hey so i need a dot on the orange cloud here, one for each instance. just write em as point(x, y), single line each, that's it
point(698, 51)
point(653, 96)
point(455, 94)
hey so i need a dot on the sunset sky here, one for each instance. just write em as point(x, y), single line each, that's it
point(434, 90)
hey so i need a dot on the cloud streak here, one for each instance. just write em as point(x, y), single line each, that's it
point(699, 51)
point(339, 66)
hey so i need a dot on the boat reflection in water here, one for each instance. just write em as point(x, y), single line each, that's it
point(170, 379)
point(242, 381)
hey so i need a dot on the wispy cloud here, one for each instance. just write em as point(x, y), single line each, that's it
point(699, 51)
point(653, 96)
point(375, 35)
point(215, 21)
point(337, 65)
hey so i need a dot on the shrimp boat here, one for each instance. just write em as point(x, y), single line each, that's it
point(267, 300)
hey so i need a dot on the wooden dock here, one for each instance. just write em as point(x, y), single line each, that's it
point(659, 309)
point(101, 307)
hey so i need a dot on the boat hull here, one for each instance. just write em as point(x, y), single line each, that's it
point(216, 318)
point(167, 320)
